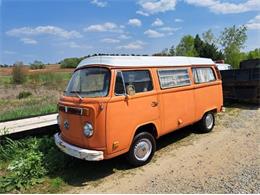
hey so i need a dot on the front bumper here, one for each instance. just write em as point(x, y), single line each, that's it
point(81, 153)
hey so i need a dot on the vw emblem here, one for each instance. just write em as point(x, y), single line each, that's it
point(66, 124)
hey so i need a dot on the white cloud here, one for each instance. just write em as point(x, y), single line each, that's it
point(158, 22)
point(217, 6)
point(135, 22)
point(105, 27)
point(133, 46)
point(28, 41)
point(169, 29)
point(124, 37)
point(254, 24)
point(153, 34)
point(156, 6)
point(142, 13)
point(109, 40)
point(9, 52)
point(99, 3)
point(43, 30)
point(178, 20)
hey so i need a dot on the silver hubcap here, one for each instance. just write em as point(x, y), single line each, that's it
point(143, 149)
point(209, 121)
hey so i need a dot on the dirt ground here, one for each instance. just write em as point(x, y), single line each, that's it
point(223, 161)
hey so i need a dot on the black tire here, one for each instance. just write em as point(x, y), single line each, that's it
point(143, 137)
point(204, 126)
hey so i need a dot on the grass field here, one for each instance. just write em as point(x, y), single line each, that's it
point(44, 85)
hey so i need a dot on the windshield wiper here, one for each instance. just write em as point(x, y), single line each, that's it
point(77, 93)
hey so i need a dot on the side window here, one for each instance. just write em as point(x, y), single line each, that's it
point(173, 77)
point(139, 80)
point(119, 86)
point(203, 75)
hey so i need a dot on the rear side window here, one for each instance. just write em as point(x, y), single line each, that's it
point(173, 77)
point(139, 80)
point(203, 75)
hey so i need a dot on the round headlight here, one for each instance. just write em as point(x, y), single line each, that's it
point(88, 130)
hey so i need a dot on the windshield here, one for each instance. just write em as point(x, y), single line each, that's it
point(89, 82)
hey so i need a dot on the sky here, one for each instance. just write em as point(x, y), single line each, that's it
point(51, 30)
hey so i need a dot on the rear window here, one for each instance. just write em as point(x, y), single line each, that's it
point(203, 75)
point(173, 77)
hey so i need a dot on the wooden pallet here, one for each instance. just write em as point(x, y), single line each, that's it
point(27, 124)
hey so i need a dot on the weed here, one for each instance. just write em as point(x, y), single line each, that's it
point(29, 161)
point(18, 74)
point(24, 94)
point(56, 184)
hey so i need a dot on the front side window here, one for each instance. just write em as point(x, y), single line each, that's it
point(173, 77)
point(89, 82)
point(119, 86)
point(137, 80)
point(203, 75)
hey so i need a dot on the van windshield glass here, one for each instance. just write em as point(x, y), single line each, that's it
point(89, 82)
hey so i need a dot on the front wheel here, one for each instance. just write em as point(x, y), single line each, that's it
point(142, 149)
point(207, 122)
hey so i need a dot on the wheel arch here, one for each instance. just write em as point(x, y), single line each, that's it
point(147, 127)
point(214, 110)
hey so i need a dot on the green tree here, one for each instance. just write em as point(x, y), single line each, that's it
point(172, 51)
point(232, 40)
point(207, 50)
point(208, 37)
point(186, 47)
point(254, 54)
point(199, 45)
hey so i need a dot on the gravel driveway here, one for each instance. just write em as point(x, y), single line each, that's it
point(223, 161)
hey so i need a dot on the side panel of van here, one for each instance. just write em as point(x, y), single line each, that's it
point(208, 95)
point(125, 115)
point(178, 106)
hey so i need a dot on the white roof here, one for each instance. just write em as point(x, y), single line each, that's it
point(137, 61)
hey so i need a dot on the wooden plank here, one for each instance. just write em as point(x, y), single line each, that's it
point(16, 126)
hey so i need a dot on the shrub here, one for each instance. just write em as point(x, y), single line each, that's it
point(70, 62)
point(24, 94)
point(18, 73)
point(28, 161)
point(37, 65)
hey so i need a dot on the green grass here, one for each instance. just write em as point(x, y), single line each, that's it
point(27, 108)
point(12, 108)
point(56, 80)
point(5, 80)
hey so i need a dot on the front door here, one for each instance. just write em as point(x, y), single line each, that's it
point(135, 102)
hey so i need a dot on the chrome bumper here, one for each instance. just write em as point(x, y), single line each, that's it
point(85, 154)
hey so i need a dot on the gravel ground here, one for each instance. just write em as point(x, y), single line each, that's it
point(223, 161)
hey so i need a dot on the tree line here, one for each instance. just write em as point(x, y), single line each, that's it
point(226, 47)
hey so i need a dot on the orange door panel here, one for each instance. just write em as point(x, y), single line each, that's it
point(125, 115)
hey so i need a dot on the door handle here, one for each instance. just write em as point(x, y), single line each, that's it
point(154, 104)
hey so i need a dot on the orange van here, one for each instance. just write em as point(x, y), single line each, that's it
point(122, 104)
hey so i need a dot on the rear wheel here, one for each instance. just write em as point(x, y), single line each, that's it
point(207, 122)
point(142, 149)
